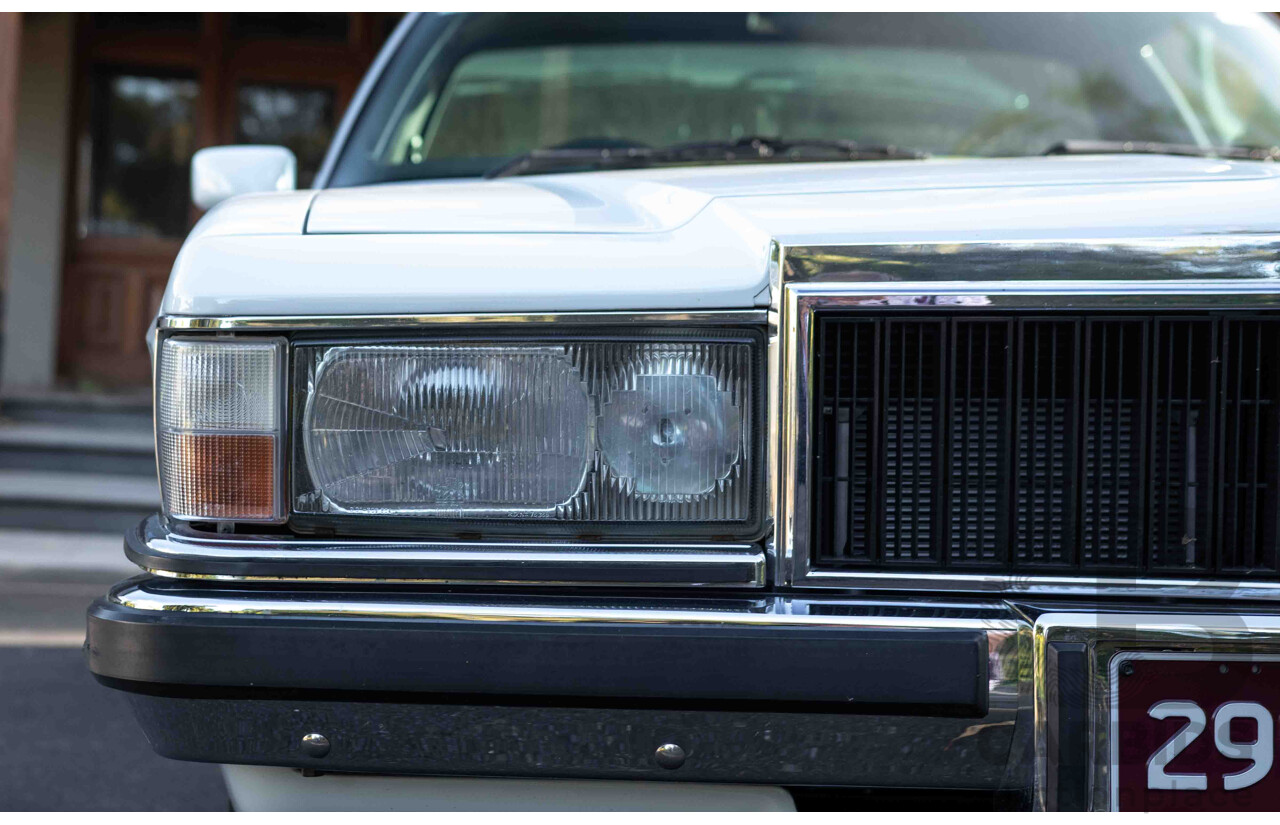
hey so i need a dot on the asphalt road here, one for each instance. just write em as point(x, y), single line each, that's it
point(66, 742)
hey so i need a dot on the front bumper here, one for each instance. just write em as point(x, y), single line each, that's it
point(763, 689)
point(782, 690)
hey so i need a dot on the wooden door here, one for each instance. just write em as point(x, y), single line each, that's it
point(151, 90)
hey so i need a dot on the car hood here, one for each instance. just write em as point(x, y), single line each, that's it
point(660, 200)
point(674, 238)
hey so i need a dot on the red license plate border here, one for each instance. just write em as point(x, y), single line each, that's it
point(1117, 660)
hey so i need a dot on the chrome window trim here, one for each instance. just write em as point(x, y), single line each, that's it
point(1232, 272)
point(264, 323)
point(272, 558)
point(363, 92)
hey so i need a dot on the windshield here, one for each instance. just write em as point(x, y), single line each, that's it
point(467, 93)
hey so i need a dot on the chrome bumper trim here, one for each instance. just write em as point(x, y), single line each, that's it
point(173, 555)
point(767, 611)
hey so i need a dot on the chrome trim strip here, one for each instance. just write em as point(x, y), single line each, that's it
point(762, 612)
point(1086, 262)
point(771, 477)
point(263, 323)
point(268, 558)
point(871, 279)
point(1041, 585)
point(1038, 295)
point(563, 566)
point(1245, 634)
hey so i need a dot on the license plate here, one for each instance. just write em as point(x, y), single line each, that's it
point(1194, 732)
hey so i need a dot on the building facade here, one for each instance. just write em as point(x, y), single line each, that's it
point(99, 117)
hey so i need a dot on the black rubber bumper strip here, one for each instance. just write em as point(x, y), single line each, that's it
point(907, 671)
point(400, 735)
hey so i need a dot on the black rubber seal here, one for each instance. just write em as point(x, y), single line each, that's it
point(1068, 726)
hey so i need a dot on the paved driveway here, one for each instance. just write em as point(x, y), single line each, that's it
point(66, 742)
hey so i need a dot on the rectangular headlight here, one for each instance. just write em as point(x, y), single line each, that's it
point(219, 411)
point(571, 431)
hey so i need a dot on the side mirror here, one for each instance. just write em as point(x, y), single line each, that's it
point(221, 172)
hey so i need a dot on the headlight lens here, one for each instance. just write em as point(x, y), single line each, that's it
point(581, 431)
point(668, 430)
point(438, 428)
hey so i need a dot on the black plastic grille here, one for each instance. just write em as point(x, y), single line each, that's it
point(1109, 444)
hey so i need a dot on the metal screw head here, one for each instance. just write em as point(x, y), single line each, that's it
point(1126, 669)
point(316, 745)
point(669, 756)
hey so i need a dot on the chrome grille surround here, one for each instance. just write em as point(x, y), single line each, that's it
point(1201, 273)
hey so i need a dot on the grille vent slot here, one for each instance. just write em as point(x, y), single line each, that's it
point(1108, 444)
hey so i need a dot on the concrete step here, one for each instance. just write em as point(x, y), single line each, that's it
point(130, 411)
point(76, 448)
point(62, 556)
point(76, 461)
point(100, 502)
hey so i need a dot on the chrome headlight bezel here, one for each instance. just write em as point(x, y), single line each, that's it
point(501, 522)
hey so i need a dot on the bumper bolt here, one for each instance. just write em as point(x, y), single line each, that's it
point(669, 756)
point(315, 745)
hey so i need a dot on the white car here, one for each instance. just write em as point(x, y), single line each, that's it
point(742, 411)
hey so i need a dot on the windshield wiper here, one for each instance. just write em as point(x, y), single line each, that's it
point(560, 159)
point(1141, 147)
point(748, 150)
point(779, 149)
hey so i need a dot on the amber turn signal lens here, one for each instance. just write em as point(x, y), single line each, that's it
point(221, 476)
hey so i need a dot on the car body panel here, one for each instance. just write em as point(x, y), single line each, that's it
point(678, 238)
point(710, 263)
point(543, 203)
